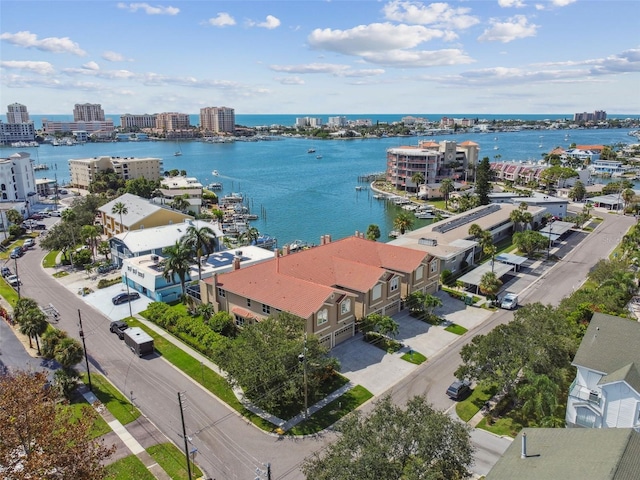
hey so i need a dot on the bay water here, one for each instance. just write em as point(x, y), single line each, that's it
point(298, 196)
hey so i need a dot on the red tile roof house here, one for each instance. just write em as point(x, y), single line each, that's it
point(330, 286)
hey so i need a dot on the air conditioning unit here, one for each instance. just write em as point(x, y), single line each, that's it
point(155, 258)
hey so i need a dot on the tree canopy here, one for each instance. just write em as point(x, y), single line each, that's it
point(411, 443)
point(483, 185)
point(41, 440)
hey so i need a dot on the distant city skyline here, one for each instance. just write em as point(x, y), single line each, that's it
point(349, 57)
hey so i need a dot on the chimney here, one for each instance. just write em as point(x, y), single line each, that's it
point(523, 453)
point(277, 252)
point(236, 263)
point(357, 235)
point(321, 239)
point(327, 238)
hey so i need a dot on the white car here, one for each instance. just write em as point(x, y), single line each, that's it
point(509, 301)
point(13, 280)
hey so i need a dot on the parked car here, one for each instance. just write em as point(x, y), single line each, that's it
point(118, 327)
point(459, 390)
point(6, 271)
point(125, 297)
point(56, 213)
point(29, 243)
point(40, 226)
point(63, 191)
point(509, 301)
point(37, 216)
point(16, 252)
point(13, 280)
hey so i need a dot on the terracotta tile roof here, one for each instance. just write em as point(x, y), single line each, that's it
point(301, 282)
point(597, 148)
point(557, 151)
point(469, 143)
point(430, 144)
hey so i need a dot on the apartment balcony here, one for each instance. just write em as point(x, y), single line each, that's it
point(581, 394)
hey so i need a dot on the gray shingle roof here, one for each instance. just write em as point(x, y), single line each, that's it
point(609, 345)
point(571, 454)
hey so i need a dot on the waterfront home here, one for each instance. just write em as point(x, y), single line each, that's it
point(188, 188)
point(141, 213)
point(152, 240)
point(606, 390)
point(330, 286)
point(83, 170)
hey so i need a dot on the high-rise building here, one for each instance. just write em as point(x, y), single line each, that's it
point(597, 116)
point(88, 112)
point(17, 113)
point(17, 177)
point(218, 119)
point(172, 121)
point(141, 121)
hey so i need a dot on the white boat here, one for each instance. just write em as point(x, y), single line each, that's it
point(359, 187)
point(177, 154)
point(496, 147)
point(394, 234)
point(318, 157)
point(215, 173)
point(214, 186)
point(425, 215)
point(311, 150)
point(379, 196)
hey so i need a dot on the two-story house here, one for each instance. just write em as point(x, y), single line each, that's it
point(606, 390)
point(330, 286)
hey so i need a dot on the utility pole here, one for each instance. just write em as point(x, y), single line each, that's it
point(84, 346)
point(126, 280)
point(303, 358)
point(184, 436)
point(15, 260)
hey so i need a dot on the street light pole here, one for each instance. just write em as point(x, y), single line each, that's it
point(550, 239)
point(84, 346)
point(126, 280)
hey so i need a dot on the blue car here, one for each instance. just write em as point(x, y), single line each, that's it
point(125, 297)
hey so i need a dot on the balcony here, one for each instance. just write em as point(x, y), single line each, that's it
point(580, 392)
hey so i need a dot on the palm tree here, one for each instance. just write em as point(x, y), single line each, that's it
point(627, 196)
point(249, 236)
point(177, 262)
point(206, 310)
point(121, 209)
point(490, 284)
point(68, 352)
point(23, 305)
point(373, 232)
point(90, 236)
point(202, 242)
point(489, 249)
point(180, 203)
point(516, 217)
point(403, 222)
point(69, 217)
point(34, 323)
point(446, 187)
point(104, 249)
point(417, 178)
point(540, 395)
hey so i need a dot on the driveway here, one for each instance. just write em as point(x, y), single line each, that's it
point(377, 371)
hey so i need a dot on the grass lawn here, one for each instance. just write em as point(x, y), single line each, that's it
point(505, 426)
point(49, 261)
point(468, 407)
point(8, 293)
point(60, 274)
point(173, 461)
point(119, 406)
point(457, 329)
point(128, 468)
point(333, 411)
point(79, 407)
point(414, 357)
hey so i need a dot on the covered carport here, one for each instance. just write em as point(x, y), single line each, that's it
point(474, 277)
point(555, 230)
point(510, 259)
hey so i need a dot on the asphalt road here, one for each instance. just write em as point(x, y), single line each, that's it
point(228, 446)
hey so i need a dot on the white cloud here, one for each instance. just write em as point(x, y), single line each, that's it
point(112, 56)
point(505, 32)
point(511, 3)
point(376, 37)
point(437, 14)
point(148, 9)
point(27, 39)
point(91, 66)
point(290, 80)
point(41, 68)
point(223, 19)
point(327, 68)
point(562, 3)
point(270, 23)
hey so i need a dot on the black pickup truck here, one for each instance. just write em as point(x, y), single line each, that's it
point(118, 327)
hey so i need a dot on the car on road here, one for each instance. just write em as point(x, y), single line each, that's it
point(40, 226)
point(17, 252)
point(28, 243)
point(459, 390)
point(6, 271)
point(125, 297)
point(13, 280)
point(118, 327)
point(37, 216)
point(509, 301)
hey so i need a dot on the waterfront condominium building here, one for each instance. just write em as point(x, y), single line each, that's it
point(88, 112)
point(83, 170)
point(435, 161)
point(17, 113)
point(169, 121)
point(18, 127)
point(102, 128)
point(218, 119)
point(137, 121)
point(17, 178)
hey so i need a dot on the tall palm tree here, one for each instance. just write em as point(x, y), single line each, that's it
point(180, 203)
point(202, 242)
point(90, 236)
point(446, 187)
point(417, 178)
point(403, 222)
point(249, 236)
point(68, 352)
point(177, 262)
point(34, 324)
point(119, 208)
point(69, 217)
point(490, 284)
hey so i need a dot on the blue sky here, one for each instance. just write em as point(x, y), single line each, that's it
point(312, 56)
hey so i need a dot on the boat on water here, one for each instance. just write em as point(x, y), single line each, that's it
point(311, 150)
point(425, 215)
point(496, 147)
point(215, 173)
point(40, 166)
point(214, 186)
point(394, 234)
point(177, 154)
point(318, 157)
point(232, 198)
point(379, 196)
point(359, 188)
point(297, 245)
